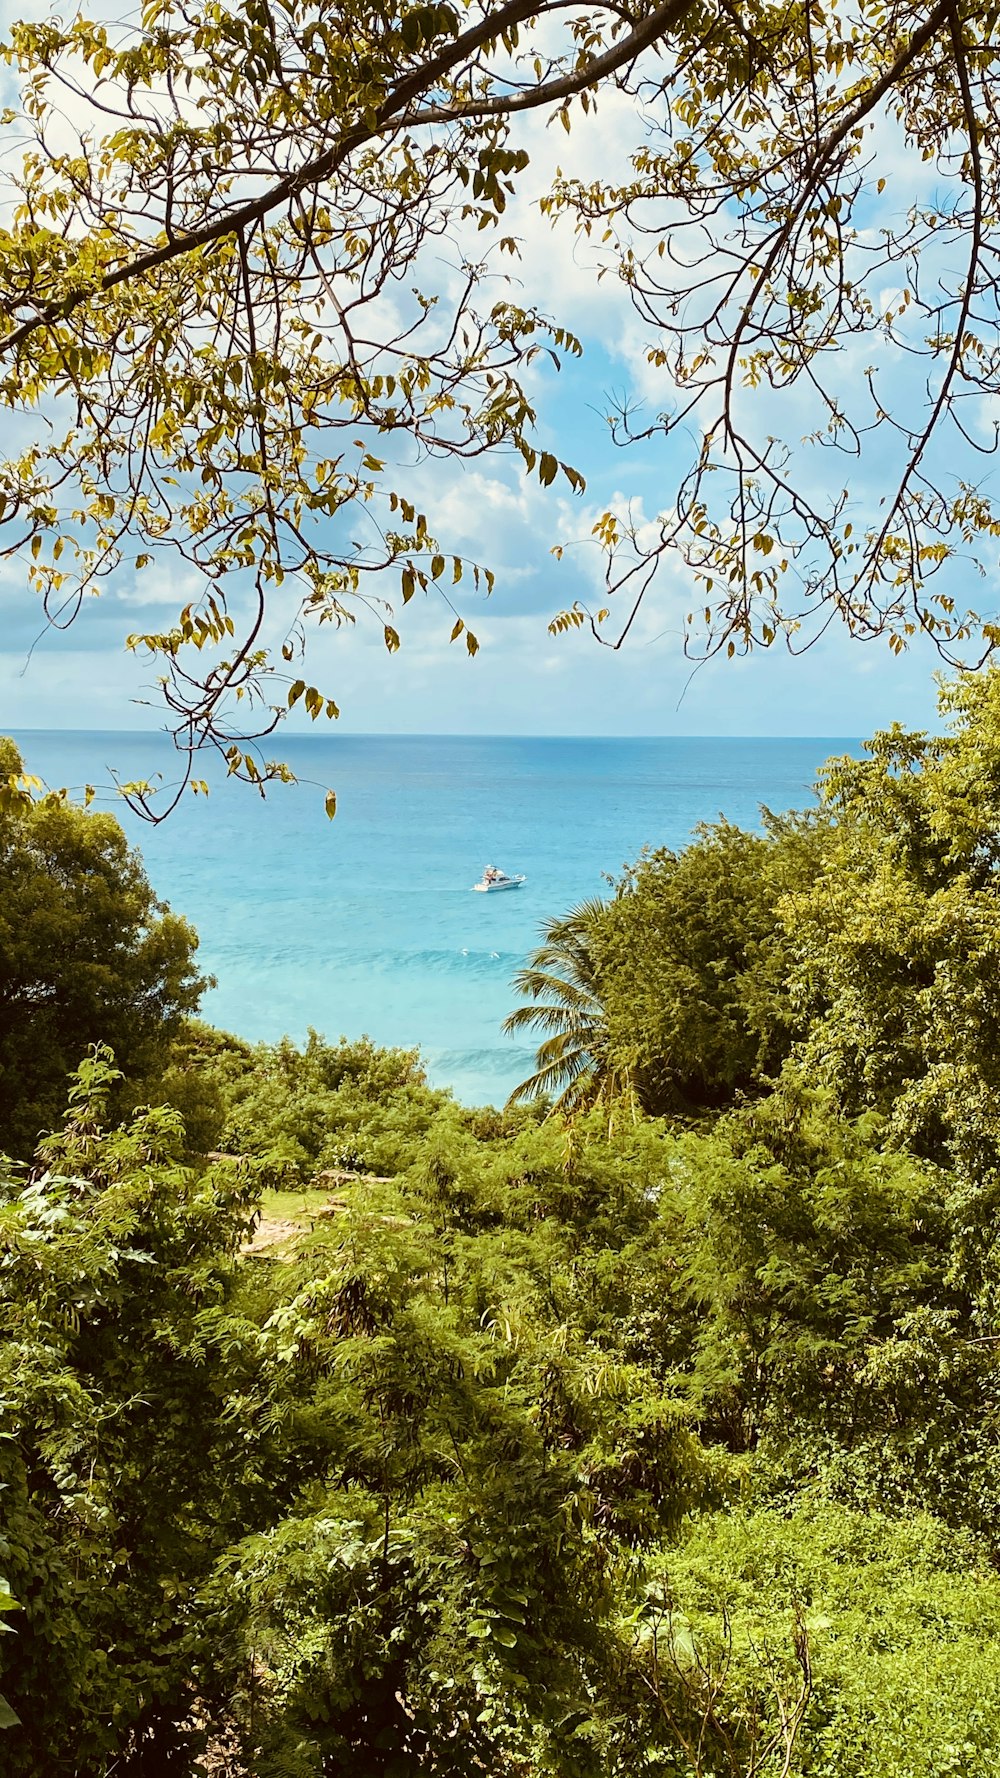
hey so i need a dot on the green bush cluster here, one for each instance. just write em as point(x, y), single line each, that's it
point(541, 1455)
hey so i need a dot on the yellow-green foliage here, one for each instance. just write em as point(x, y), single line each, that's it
point(232, 386)
point(903, 1624)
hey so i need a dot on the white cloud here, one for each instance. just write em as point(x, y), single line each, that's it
point(523, 678)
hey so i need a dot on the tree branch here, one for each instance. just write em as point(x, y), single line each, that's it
point(313, 172)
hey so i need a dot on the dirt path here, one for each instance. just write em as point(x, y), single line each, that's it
point(271, 1233)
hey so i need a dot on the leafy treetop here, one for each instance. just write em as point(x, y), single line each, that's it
point(87, 954)
point(227, 336)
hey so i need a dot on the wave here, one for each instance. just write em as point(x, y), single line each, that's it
point(478, 1076)
point(461, 959)
point(503, 1061)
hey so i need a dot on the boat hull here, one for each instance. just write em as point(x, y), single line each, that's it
point(493, 888)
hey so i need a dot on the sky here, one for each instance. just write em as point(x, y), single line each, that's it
point(523, 681)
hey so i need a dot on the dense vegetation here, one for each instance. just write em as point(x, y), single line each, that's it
point(660, 1438)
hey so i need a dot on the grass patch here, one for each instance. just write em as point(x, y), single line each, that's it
point(300, 1206)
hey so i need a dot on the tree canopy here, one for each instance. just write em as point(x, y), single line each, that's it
point(894, 945)
point(227, 334)
point(87, 954)
point(694, 962)
point(852, 945)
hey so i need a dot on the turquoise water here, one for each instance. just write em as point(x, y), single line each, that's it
point(367, 923)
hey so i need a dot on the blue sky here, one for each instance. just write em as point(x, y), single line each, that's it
point(523, 680)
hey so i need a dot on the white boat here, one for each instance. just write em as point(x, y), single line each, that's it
point(493, 879)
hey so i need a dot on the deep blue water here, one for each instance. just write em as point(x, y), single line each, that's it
point(367, 923)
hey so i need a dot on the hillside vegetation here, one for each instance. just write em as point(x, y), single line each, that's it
point(655, 1436)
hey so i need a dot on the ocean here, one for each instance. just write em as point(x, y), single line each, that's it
point(367, 923)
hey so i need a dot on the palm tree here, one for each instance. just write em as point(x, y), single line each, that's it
point(562, 981)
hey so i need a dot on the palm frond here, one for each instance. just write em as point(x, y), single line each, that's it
point(563, 1049)
point(548, 1017)
point(561, 981)
point(538, 983)
point(547, 1080)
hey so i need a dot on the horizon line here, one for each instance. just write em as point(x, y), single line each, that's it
point(436, 735)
